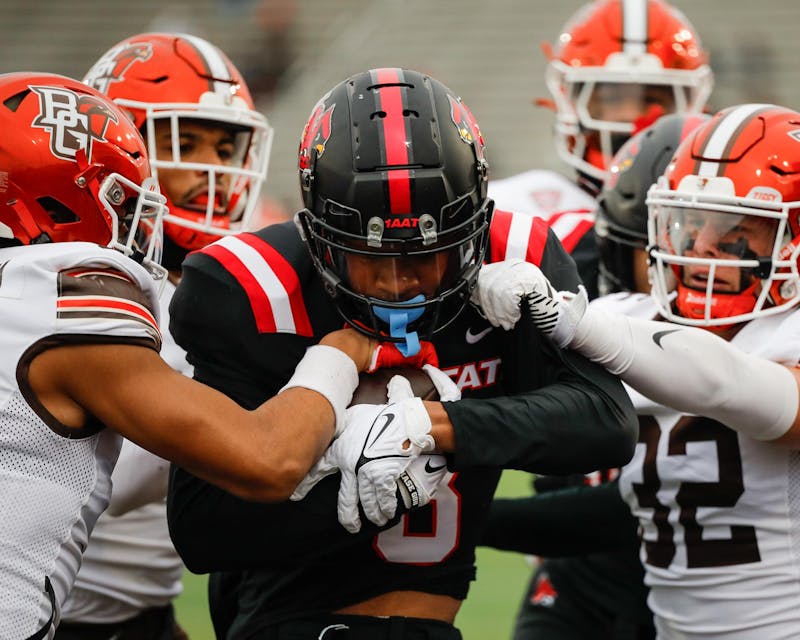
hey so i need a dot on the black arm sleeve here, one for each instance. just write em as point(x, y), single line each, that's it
point(566, 522)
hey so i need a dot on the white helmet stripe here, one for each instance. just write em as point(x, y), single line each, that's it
point(213, 59)
point(718, 142)
point(634, 26)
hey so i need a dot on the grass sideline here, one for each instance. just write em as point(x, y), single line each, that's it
point(488, 612)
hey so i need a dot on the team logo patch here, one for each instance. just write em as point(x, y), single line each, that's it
point(465, 123)
point(316, 133)
point(115, 63)
point(74, 121)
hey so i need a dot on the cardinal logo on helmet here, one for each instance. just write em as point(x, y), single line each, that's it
point(74, 121)
point(115, 63)
point(465, 123)
point(316, 133)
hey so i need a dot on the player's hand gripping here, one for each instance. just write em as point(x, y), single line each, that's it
point(504, 287)
point(380, 455)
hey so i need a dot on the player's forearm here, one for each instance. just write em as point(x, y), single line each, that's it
point(693, 371)
point(581, 422)
point(565, 522)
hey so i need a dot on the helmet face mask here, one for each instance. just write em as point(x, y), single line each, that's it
point(616, 61)
point(621, 215)
point(724, 220)
point(393, 175)
point(165, 81)
point(77, 169)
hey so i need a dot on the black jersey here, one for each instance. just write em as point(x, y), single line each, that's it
point(246, 310)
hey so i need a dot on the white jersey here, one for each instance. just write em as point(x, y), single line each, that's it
point(719, 512)
point(568, 209)
point(539, 193)
point(55, 481)
point(131, 564)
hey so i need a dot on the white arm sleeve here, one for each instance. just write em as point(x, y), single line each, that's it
point(693, 371)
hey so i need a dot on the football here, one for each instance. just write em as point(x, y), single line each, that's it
point(372, 386)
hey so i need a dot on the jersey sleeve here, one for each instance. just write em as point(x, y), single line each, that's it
point(515, 235)
point(237, 332)
point(105, 304)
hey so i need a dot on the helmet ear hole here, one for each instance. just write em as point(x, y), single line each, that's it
point(59, 213)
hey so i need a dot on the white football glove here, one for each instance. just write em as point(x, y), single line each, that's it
point(558, 313)
point(448, 390)
point(376, 448)
point(501, 288)
point(419, 482)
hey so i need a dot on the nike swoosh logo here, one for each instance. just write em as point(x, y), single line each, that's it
point(472, 338)
point(429, 468)
point(659, 336)
point(389, 419)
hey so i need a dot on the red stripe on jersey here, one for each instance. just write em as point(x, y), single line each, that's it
point(395, 139)
point(259, 301)
point(109, 305)
point(288, 278)
point(537, 240)
point(580, 228)
point(501, 229)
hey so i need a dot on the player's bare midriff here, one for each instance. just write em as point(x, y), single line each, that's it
point(412, 604)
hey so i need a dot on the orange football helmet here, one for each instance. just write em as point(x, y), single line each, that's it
point(73, 167)
point(724, 219)
point(618, 64)
point(174, 77)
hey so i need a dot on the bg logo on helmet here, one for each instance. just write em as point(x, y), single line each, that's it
point(73, 121)
point(116, 61)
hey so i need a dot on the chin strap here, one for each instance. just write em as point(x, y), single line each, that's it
point(398, 321)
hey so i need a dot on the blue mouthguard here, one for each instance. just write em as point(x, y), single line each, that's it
point(398, 321)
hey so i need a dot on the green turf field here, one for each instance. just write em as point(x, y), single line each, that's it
point(487, 613)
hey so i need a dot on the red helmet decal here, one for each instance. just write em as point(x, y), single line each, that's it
point(116, 61)
point(316, 133)
point(465, 123)
point(73, 121)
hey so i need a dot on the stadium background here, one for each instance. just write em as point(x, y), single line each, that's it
point(292, 51)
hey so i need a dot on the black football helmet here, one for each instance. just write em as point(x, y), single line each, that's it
point(621, 222)
point(392, 165)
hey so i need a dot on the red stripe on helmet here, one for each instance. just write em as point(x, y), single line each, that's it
point(395, 138)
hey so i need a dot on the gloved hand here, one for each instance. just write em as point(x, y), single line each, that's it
point(558, 313)
point(501, 288)
point(448, 390)
point(387, 355)
point(419, 482)
point(377, 446)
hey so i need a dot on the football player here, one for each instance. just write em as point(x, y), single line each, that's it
point(80, 364)
point(599, 595)
point(617, 66)
point(396, 227)
point(713, 482)
point(208, 149)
